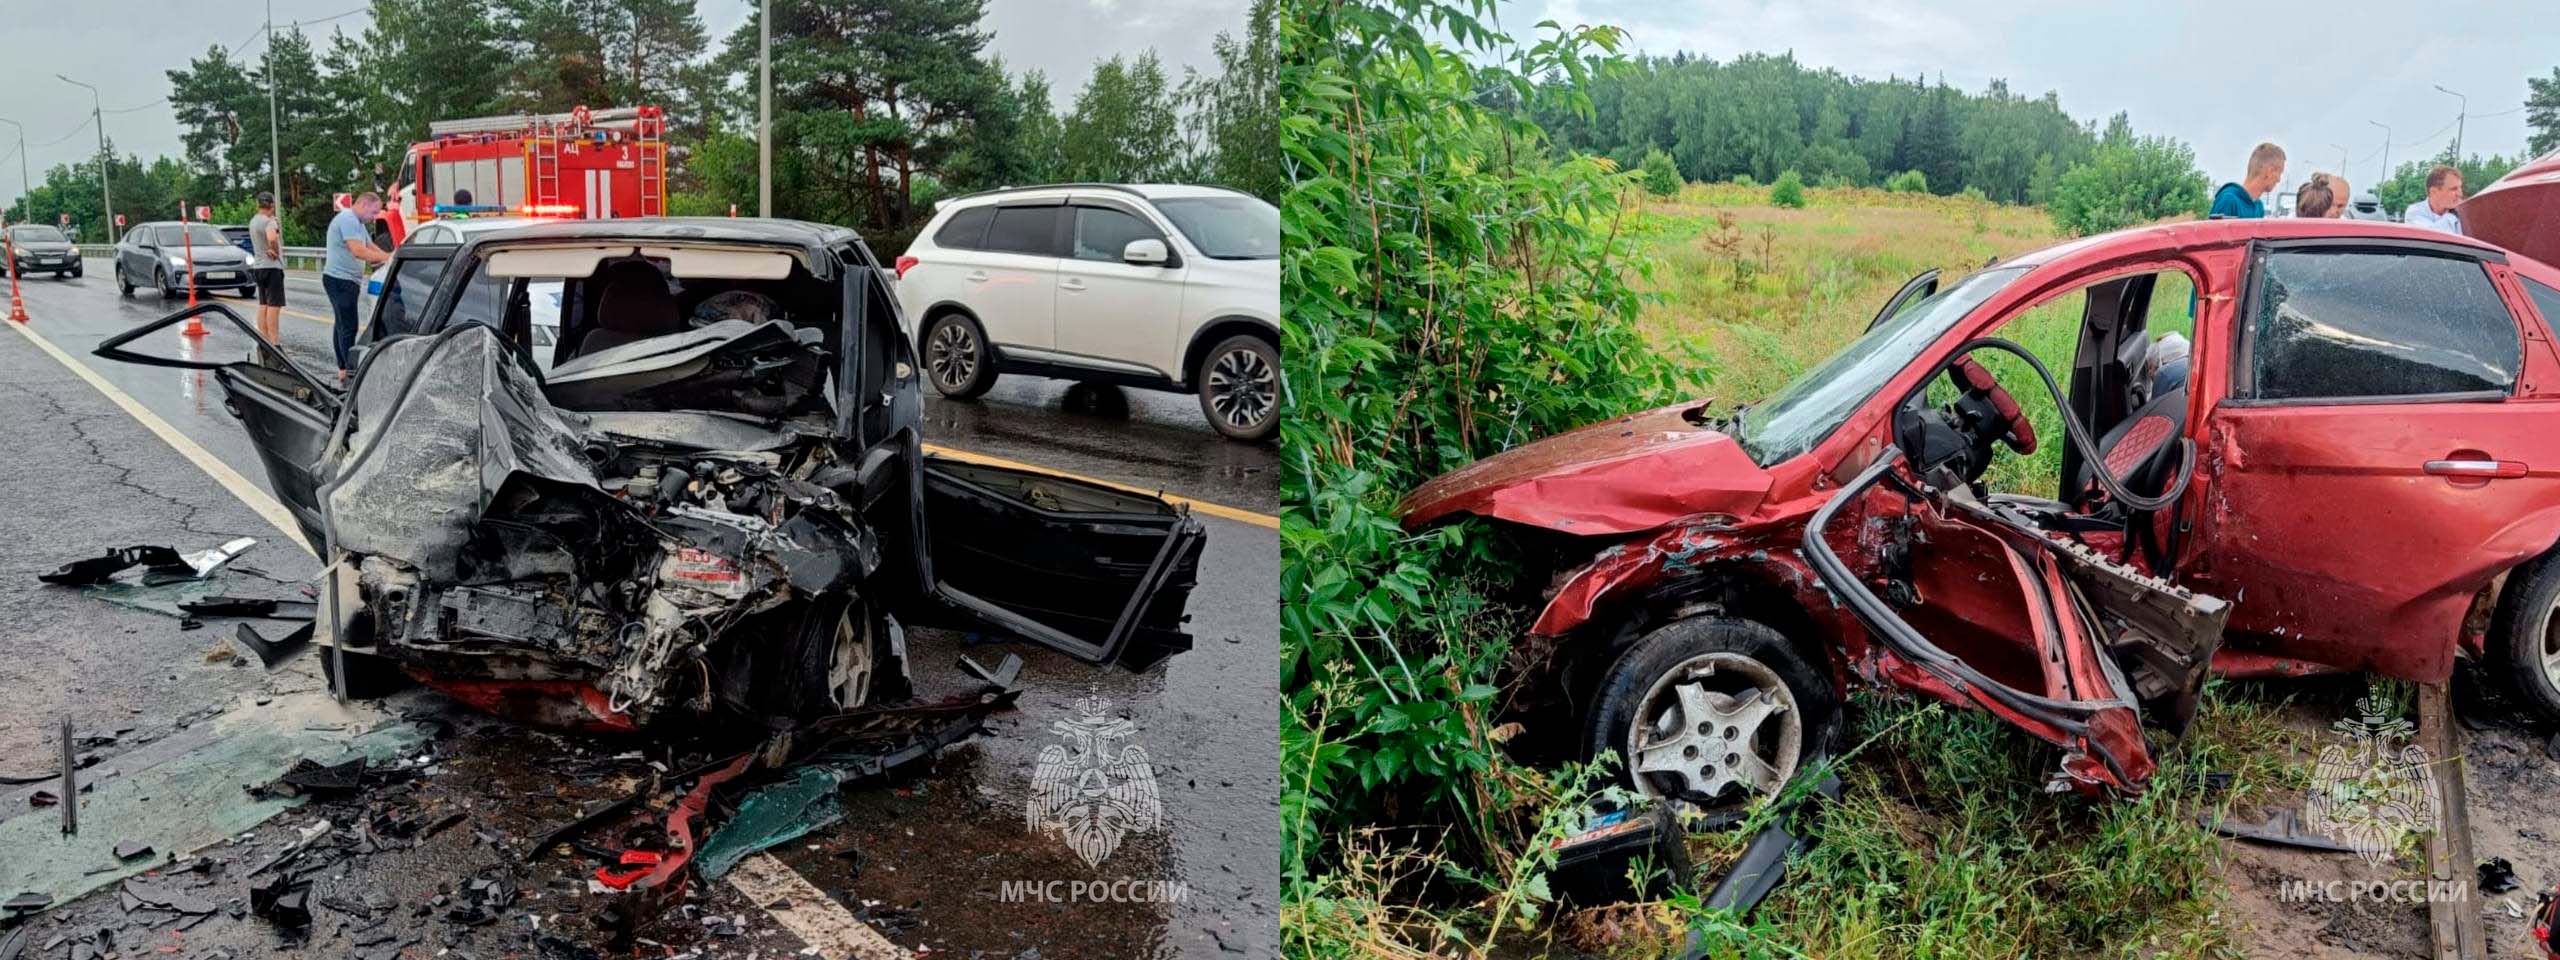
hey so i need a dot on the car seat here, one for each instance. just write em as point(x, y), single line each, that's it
point(631, 304)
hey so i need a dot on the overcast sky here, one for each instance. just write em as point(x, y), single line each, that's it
point(126, 47)
point(2219, 74)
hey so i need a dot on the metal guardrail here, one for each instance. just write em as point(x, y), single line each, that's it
point(295, 258)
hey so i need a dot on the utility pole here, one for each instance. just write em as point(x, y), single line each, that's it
point(106, 196)
point(275, 144)
point(2342, 160)
point(23, 191)
point(2386, 152)
point(2463, 114)
point(764, 111)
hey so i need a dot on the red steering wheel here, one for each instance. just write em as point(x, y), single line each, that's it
point(1970, 376)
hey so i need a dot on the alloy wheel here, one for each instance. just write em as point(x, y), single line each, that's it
point(849, 665)
point(1715, 722)
point(1243, 388)
point(952, 356)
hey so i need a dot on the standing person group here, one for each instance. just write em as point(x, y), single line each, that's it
point(350, 250)
point(2327, 195)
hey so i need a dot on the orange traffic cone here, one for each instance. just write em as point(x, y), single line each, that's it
point(194, 328)
point(17, 304)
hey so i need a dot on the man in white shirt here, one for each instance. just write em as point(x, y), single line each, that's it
point(2444, 191)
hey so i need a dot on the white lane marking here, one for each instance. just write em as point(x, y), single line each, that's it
point(817, 919)
point(249, 493)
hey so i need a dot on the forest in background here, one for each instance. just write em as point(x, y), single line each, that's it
point(879, 108)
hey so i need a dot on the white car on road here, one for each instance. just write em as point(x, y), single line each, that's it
point(1166, 287)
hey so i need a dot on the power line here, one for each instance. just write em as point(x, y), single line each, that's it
point(75, 131)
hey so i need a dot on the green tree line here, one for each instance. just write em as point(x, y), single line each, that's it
point(878, 108)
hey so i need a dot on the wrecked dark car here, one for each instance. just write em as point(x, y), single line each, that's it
point(2351, 472)
point(714, 502)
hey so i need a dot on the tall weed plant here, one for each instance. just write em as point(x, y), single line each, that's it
point(1453, 286)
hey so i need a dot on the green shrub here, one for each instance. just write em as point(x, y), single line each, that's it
point(1908, 181)
point(2128, 183)
point(1661, 176)
point(1744, 180)
point(1492, 308)
point(1974, 194)
point(1789, 191)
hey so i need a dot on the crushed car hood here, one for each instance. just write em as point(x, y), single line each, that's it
point(2518, 211)
point(1633, 473)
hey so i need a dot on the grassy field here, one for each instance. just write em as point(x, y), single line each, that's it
point(1769, 291)
point(1946, 843)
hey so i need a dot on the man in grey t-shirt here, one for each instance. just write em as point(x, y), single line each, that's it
point(266, 265)
point(342, 275)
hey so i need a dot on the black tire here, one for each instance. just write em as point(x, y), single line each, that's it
point(124, 287)
point(956, 357)
point(160, 278)
point(1239, 386)
point(2525, 633)
point(1652, 660)
point(792, 679)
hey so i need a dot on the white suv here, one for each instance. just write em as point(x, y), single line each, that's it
point(1148, 285)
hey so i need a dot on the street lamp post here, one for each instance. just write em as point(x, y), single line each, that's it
point(2342, 158)
point(2463, 112)
point(2386, 152)
point(106, 196)
point(764, 111)
point(23, 190)
point(275, 146)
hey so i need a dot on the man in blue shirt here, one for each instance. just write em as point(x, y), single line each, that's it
point(2240, 200)
point(350, 249)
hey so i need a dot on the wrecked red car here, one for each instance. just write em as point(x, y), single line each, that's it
point(2357, 469)
point(711, 501)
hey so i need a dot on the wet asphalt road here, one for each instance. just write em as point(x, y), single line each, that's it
point(90, 477)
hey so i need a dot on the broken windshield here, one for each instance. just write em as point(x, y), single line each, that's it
point(1807, 409)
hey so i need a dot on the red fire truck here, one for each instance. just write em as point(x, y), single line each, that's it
point(582, 164)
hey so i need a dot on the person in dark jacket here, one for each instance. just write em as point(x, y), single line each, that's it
point(2240, 200)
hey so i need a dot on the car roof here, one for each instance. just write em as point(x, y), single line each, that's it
point(1151, 191)
point(2199, 234)
point(812, 239)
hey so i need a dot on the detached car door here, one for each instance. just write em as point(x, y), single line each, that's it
point(2371, 464)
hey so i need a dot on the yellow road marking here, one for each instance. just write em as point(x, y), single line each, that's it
point(1237, 514)
point(249, 493)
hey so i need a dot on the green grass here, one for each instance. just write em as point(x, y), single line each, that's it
point(1945, 845)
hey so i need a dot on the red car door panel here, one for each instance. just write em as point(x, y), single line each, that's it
point(2339, 546)
point(2376, 469)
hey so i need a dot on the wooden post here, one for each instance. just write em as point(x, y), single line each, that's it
point(2453, 924)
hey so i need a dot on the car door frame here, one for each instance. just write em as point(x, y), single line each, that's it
point(1165, 361)
point(2278, 626)
point(991, 318)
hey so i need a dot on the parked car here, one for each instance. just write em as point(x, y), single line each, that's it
point(2358, 466)
point(37, 248)
point(2366, 206)
point(239, 237)
point(1156, 286)
point(157, 255)
point(688, 517)
point(543, 298)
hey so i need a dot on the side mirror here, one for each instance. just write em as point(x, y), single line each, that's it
point(1144, 252)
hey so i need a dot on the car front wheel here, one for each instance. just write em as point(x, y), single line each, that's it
point(2524, 637)
point(1712, 712)
point(124, 287)
point(956, 357)
point(1240, 387)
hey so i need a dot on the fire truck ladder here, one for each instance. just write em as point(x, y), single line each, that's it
point(546, 165)
point(650, 129)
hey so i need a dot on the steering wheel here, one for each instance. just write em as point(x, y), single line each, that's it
point(1970, 377)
